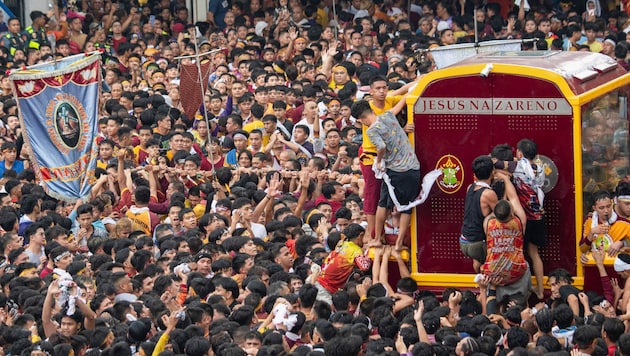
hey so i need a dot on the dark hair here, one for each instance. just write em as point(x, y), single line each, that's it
point(624, 345)
point(353, 231)
point(585, 335)
point(550, 343)
point(470, 346)
point(305, 129)
point(197, 346)
point(601, 195)
point(84, 209)
point(228, 284)
point(482, 167)
point(544, 320)
point(563, 315)
point(561, 274)
point(378, 78)
point(613, 328)
point(329, 188)
point(623, 188)
point(621, 50)
point(325, 329)
point(502, 210)
point(528, 148)
point(308, 294)
point(502, 152)
point(8, 221)
point(142, 195)
point(517, 337)
point(28, 204)
point(360, 108)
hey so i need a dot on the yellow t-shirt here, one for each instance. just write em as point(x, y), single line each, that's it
point(141, 221)
point(595, 47)
point(269, 109)
point(369, 150)
point(256, 124)
point(101, 164)
point(322, 17)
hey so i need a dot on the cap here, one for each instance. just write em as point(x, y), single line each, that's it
point(149, 52)
point(443, 25)
point(201, 255)
point(37, 14)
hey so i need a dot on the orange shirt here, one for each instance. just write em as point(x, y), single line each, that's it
point(505, 258)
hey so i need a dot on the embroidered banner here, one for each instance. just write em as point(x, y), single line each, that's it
point(58, 105)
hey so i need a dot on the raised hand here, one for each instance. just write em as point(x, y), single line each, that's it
point(275, 185)
point(417, 314)
point(293, 33)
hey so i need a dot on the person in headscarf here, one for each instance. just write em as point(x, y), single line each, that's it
point(341, 74)
point(593, 10)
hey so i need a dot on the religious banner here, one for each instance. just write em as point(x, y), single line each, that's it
point(190, 88)
point(58, 105)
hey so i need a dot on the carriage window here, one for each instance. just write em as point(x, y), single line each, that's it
point(604, 143)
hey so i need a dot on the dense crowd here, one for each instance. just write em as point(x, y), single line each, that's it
point(242, 226)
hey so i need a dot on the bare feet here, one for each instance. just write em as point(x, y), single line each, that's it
point(399, 246)
point(374, 243)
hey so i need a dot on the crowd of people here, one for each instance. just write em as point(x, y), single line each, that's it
point(242, 226)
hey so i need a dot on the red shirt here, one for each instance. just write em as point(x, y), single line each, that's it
point(340, 263)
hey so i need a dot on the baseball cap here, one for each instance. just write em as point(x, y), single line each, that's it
point(37, 14)
point(201, 255)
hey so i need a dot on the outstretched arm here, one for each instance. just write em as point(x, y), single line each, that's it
point(399, 106)
point(512, 196)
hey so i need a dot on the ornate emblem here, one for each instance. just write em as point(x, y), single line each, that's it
point(64, 121)
point(551, 172)
point(452, 174)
